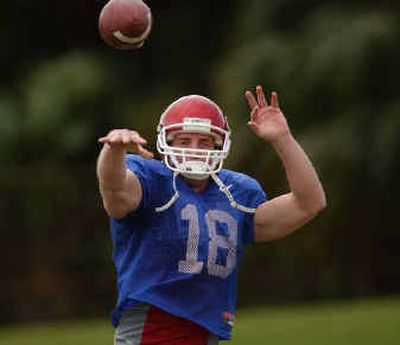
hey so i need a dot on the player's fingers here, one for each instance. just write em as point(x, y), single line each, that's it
point(115, 138)
point(274, 100)
point(115, 133)
point(144, 153)
point(136, 138)
point(107, 138)
point(261, 97)
point(125, 137)
point(102, 140)
point(254, 115)
point(251, 100)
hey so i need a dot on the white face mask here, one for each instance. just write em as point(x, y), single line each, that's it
point(193, 169)
point(196, 164)
point(197, 167)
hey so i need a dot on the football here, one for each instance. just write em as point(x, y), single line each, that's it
point(125, 24)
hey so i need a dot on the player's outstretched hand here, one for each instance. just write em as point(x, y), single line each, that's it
point(129, 140)
point(266, 120)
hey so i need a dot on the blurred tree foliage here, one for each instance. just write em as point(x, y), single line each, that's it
point(335, 66)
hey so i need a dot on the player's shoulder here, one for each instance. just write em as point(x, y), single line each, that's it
point(239, 180)
point(151, 166)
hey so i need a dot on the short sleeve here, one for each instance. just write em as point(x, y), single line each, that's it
point(138, 166)
point(256, 197)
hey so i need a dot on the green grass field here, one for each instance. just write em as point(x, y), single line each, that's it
point(374, 322)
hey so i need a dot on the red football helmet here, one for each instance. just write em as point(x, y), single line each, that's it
point(193, 114)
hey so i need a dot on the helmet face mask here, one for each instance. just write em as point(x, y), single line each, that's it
point(193, 114)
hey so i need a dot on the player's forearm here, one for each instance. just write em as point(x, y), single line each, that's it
point(302, 177)
point(111, 168)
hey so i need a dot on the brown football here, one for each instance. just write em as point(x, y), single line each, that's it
point(125, 24)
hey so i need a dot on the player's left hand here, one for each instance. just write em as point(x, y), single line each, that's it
point(266, 120)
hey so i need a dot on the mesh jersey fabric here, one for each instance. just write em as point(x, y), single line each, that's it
point(185, 259)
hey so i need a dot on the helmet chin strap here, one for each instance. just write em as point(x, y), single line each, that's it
point(224, 189)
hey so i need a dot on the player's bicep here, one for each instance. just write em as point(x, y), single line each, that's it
point(278, 218)
point(119, 202)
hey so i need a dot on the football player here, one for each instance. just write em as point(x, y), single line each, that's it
point(179, 225)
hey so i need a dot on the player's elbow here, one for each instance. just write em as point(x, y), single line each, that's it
point(322, 203)
point(315, 206)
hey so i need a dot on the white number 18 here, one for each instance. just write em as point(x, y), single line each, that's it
point(191, 264)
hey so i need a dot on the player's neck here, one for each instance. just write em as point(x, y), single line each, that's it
point(197, 185)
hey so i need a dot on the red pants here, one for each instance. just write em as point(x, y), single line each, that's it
point(148, 325)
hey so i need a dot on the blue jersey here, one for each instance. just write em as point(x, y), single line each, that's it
point(184, 259)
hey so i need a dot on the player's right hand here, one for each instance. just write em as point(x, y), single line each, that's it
point(129, 140)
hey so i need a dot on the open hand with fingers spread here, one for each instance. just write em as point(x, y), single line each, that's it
point(129, 140)
point(266, 120)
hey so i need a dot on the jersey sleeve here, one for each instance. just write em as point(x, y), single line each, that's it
point(138, 166)
point(255, 197)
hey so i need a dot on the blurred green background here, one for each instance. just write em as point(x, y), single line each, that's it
point(361, 322)
point(335, 65)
